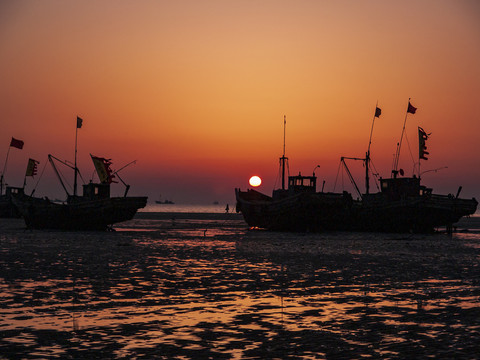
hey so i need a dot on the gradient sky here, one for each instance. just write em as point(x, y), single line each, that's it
point(196, 91)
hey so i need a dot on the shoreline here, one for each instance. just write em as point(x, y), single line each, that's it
point(465, 225)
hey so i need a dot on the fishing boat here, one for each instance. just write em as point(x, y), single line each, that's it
point(402, 204)
point(95, 209)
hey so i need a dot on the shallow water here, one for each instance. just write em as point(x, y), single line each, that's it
point(194, 287)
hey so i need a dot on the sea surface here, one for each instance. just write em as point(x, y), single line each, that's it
point(188, 208)
point(198, 284)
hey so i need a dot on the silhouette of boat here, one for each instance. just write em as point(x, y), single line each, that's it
point(94, 210)
point(401, 205)
point(164, 202)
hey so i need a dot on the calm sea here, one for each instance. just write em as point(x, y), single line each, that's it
point(188, 208)
point(194, 282)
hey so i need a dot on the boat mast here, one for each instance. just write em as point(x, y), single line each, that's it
point(367, 156)
point(283, 158)
point(16, 144)
point(79, 125)
point(3, 172)
point(366, 161)
point(399, 145)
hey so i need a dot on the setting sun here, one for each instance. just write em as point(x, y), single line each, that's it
point(255, 181)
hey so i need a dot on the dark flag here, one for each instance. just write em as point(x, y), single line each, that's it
point(378, 112)
point(32, 167)
point(16, 143)
point(102, 165)
point(79, 122)
point(422, 148)
point(411, 109)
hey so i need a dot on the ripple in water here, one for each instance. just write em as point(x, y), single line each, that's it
point(209, 288)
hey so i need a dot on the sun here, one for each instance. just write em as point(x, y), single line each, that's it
point(255, 181)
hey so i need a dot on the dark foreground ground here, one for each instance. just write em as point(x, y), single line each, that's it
point(205, 287)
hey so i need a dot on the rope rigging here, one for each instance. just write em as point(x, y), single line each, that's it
point(61, 176)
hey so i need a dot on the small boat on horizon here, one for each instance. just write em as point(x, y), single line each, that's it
point(164, 202)
point(95, 209)
point(402, 204)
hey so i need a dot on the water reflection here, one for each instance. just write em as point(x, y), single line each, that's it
point(197, 288)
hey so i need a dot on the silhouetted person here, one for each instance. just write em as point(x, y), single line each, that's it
point(227, 209)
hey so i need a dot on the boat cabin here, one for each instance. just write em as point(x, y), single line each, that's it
point(93, 191)
point(297, 184)
point(11, 190)
point(302, 183)
point(397, 188)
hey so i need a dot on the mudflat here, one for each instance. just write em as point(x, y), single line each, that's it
point(194, 286)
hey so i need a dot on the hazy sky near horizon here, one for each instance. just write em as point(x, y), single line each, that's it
point(196, 91)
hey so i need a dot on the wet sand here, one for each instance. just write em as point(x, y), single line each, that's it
point(201, 286)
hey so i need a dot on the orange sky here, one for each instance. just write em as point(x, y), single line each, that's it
point(196, 91)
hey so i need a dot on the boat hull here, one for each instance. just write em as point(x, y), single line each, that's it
point(299, 212)
point(339, 212)
point(99, 214)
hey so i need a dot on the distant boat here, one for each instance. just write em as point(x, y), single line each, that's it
point(94, 210)
point(165, 202)
point(402, 205)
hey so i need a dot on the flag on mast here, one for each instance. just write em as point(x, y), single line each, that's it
point(32, 167)
point(422, 148)
point(79, 122)
point(411, 109)
point(378, 112)
point(104, 172)
point(16, 143)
